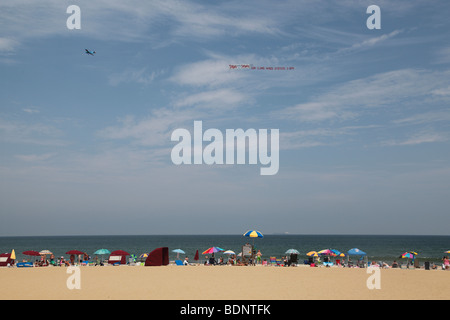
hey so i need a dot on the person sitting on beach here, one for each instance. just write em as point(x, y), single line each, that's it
point(395, 264)
point(446, 263)
point(186, 261)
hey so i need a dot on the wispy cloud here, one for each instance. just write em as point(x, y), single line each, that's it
point(393, 90)
point(7, 45)
point(153, 130)
point(35, 157)
point(141, 76)
point(215, 99)
point(419, 138)
point(34, 133)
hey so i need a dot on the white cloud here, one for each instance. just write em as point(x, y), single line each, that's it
point(31, 110)
point(210, 73)
point(7, 45)
point(215, 99)
point(34, 157)
point(394, 90)
point(154, 130)
point(419, 138)
point(30, 133)
point(141, 76)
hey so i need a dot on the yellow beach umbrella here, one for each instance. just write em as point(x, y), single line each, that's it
point(312, 254)
point(13, 255)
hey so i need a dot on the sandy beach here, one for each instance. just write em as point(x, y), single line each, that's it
point(221, 282)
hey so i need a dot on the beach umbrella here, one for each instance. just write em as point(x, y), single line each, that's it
point(120, 253)
point(178, 251)
point(13, 255)
point(45, 252)
point(447, 251)
point(408, 255)
point(326, 252)
point(312, 254)
point(31, 253)
point(133, 256)
point(143, 256)
point(253, 234)
point(196, 257)
point(336, 252)
point(229, 252)
point(102, 251)
point(74, 252)
point(213, 250)
point(292, 251)
point(356, 252)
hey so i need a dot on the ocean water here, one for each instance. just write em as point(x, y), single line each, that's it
point(378, 248)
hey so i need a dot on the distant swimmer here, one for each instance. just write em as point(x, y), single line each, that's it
point(90, 52)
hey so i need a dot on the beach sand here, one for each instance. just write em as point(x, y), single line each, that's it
point(221, 283)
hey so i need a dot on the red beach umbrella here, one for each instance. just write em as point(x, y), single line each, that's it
point(196, 257)
point(119, 253)
point(76, 252)
point(31, 253)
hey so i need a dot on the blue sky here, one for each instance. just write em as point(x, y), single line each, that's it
point(363, 118)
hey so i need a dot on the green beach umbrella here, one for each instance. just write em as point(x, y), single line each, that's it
point(102, 252)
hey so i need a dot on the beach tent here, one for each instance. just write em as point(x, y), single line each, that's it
point(5, 259)
point(358, 252)
point(158, 257)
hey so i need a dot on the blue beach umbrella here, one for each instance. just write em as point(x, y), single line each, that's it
point(102, 252)
point(336, 252)
point(253, 234)
point(292, 251)
point(356, 252)
point(178, 251)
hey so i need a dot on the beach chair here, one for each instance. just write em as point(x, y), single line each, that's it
point(279, 262)
point(273, 261)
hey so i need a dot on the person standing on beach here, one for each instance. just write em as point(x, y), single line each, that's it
point(258, 257)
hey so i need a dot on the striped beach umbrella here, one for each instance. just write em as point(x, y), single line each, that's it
point(326, 252)
point(253, 234)
point(447, 251)
point(292, 251)
point(312, 254)
point(408, 255)
point(213, 250)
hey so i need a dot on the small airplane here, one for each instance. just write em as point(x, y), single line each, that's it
point(90, 52)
